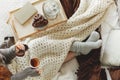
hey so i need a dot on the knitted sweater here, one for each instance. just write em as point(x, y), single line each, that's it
point(53, 44)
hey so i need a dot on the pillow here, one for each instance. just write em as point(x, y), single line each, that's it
point(111, 55)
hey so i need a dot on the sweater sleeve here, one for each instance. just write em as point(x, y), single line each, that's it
point(25, 73)
point(8, 53)
point(19, 76)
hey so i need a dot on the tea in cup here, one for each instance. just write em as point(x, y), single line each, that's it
point(34, 62)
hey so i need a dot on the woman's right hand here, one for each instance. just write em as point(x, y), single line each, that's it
point(20, 49)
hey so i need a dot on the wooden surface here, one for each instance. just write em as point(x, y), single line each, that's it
point(26, 30)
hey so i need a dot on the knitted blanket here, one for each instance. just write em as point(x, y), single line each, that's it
point(52, 45)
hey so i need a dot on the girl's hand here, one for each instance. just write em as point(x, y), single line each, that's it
point(20, 49)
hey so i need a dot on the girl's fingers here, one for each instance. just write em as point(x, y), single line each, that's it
point(20, 47)
point(38, 71)
point(17, 49)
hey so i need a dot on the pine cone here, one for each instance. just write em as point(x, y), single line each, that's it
point(39, 21)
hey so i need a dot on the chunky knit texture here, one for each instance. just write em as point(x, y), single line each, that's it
point(53, 44)
point(93, 42)
point(83, 48)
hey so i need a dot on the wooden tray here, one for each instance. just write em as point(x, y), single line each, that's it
point(26, 30)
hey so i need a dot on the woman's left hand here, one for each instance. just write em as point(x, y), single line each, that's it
point(20, 49)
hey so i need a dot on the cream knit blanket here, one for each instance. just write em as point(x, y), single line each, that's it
point(53, 45)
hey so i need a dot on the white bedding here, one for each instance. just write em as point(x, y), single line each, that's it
point(67, 71)
point(110, 55)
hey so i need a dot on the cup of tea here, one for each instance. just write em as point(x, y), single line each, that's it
point(34, 62)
